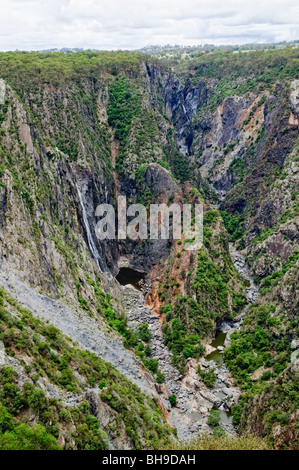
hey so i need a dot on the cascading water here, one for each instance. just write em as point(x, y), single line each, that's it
point(91, 243)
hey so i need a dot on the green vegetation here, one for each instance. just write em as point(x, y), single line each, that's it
point(224, 442)
point(182, 344)
point(3, 111)
point(54, 359)
point(209, 377)
point(234, 225)
point(51, 414)
point(272, 280)
point(214, 285)
point(210, 217)
point(178, 162)
point(255, 346)
point(123, 107)
point(237, 167)
point(144, 333)
point(136, 127)
point(133, 339)
point(173, 400)
point(261, 345)
point(22, 436)
point(214, 418)
point(35, 69)
point(278, 407)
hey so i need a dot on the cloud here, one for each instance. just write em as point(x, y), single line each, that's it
point(131, 24)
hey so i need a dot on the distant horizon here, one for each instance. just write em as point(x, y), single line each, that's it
point(161, 46)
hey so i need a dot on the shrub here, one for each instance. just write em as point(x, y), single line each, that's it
point(152, 364)
point(209, 377)
point(172, 399)
point(214, 418)
point(24, 437)
point(144, 333)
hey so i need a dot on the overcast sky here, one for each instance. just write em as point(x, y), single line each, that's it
point(131, 24)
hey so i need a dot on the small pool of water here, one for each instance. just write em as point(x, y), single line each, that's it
point(217, 356)
point(226, 417)
point(219, 339)
point(130, 276)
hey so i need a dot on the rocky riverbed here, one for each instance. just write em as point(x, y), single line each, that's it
point(251, 294)
point(194, 399)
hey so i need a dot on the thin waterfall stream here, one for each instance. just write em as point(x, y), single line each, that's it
point(91, 243)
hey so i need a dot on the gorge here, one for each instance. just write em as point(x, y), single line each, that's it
point(106, 344)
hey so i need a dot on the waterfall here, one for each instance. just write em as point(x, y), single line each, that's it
point(2, 91)
point(185, 112)
point(91, 243)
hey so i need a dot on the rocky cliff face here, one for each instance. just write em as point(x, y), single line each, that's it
point(138, 129)
point(246, 152)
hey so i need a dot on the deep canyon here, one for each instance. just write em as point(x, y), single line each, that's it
point(140, 344)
